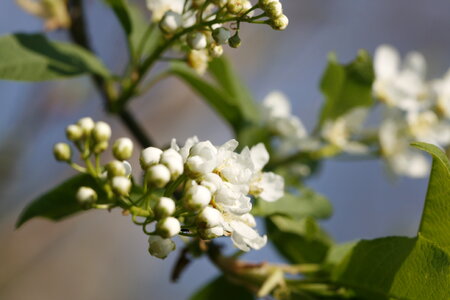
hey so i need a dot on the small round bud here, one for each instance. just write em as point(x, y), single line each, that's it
point(158, 176)
point(74, 132)
point(274, 9)
point(101, 132)
point(264, 3)
point(246, 6)
point(159, 247)
point(121, 185)
point(211, 233)
point(209, 217)
point(280, 23)
point(115, 168)
point(235, 6)
point(123, 148)
point(168, 227)
point(173, 161)
point(100, 147)
point(150, 156)
point(197, 40)
point(171, 22)
point(198, 60)
point(221, 35)
point(165, 207)
point(234, 41)
point(215, 50)
point(86, 196)
point(62, 152)
point(196, 197)
point(86, 125)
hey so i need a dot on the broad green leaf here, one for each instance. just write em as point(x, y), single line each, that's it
point(120, 9)
point(337, 252)
point(299, 241)
point(59, 202)
point(214, 96)
point(435, 223)
point(222, 289)
point(32, 57)
point(230, 82)
point(346, 87)
point(396, 268)
point(307, 204)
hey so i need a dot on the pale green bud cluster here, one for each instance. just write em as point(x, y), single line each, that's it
point(274, 11)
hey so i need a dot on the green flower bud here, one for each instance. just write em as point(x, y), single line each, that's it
point(115, 168)
point(123, 148)
point(235, 40)
point(86, 125)
point(235, 6)
point(86, 196)
point(121, 185)
point(264, 3)
point(221, 35)
point(168, 227)
point(274, 9)
point(74, 133)
point(280, 23)
point(62, 152)
point(101, 132)
point(100, 147)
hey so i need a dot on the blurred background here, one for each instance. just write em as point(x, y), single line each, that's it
point(101, 255)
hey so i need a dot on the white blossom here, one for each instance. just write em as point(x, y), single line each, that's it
point(150, 156)
point(160, 7)
point(173, 161)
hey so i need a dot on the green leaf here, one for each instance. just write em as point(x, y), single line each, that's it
point(32, 57)
point(60, 202)
point(219, 100)
point(435, 223)
point(221, 289)
point(396, 268)
point(120, 9)
point(307, 204)
point(346, 87)
point(229, 80)
point(299, 241)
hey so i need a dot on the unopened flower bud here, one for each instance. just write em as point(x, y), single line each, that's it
point(159, 247)
point(121, 185)
point(209, 217)
point(280, 23)
point(173, 161)
point(274, 9)
point(171, 22)
point(123, 148)
point(246, 6)
point(74, 133)
point(86, 125)
point(168, 227)
point(211, 233)
point(221, 35)
point(115, 168)
point(198, 60)
point(215, 50)
point(86, 196)
point(165, 207)
point(264, 3)
point(234, 41)
point(101, 132)
point(62, 152)
point(196, 197)
point(197, 40)
point(235, 6)
point(150, 156)
point(100, 147)
point(158, 175)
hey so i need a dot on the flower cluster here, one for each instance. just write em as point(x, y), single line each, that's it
point(204, 26)
point(197, 190)
point(91, 139)
point(53, 12)
point(215, 185)
point(415, 109)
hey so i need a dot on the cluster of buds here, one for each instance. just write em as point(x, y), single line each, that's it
point(206, 26)
point(91, 139)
